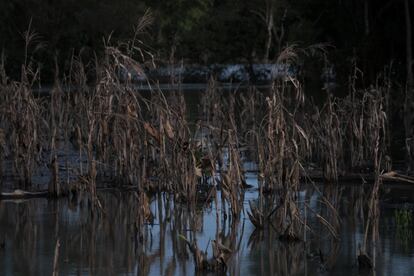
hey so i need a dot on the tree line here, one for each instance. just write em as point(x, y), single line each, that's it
point(211, 31)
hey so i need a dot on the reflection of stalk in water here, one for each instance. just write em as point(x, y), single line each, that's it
point(373, 206)
point(25, 236)
point(277, 258)
point(56, 259)
point(404, 222)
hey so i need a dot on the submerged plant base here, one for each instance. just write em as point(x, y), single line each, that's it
point(364, 262)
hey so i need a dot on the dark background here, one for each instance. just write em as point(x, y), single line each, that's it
point(372, 32)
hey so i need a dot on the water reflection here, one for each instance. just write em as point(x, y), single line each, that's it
point(110, 242)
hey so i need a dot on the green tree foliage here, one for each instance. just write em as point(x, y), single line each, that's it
point(176, 19)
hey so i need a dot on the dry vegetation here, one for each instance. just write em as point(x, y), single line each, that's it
point(148, 144)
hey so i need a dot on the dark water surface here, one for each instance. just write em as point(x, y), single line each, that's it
point(107, 244)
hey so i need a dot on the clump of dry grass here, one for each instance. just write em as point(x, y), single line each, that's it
point(21, 119)
point(147, 143)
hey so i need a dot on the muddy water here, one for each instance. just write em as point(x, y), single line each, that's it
point(107, 244)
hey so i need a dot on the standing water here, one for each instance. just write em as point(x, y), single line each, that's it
point(107, 244)
point(106, 234)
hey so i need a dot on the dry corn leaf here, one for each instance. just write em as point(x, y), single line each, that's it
point(152, 132)
point(198, 172)
point(169, 130)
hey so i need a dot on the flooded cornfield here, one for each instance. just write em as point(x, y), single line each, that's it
point(114, 179)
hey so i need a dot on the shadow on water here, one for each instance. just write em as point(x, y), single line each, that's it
point(109, 242)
